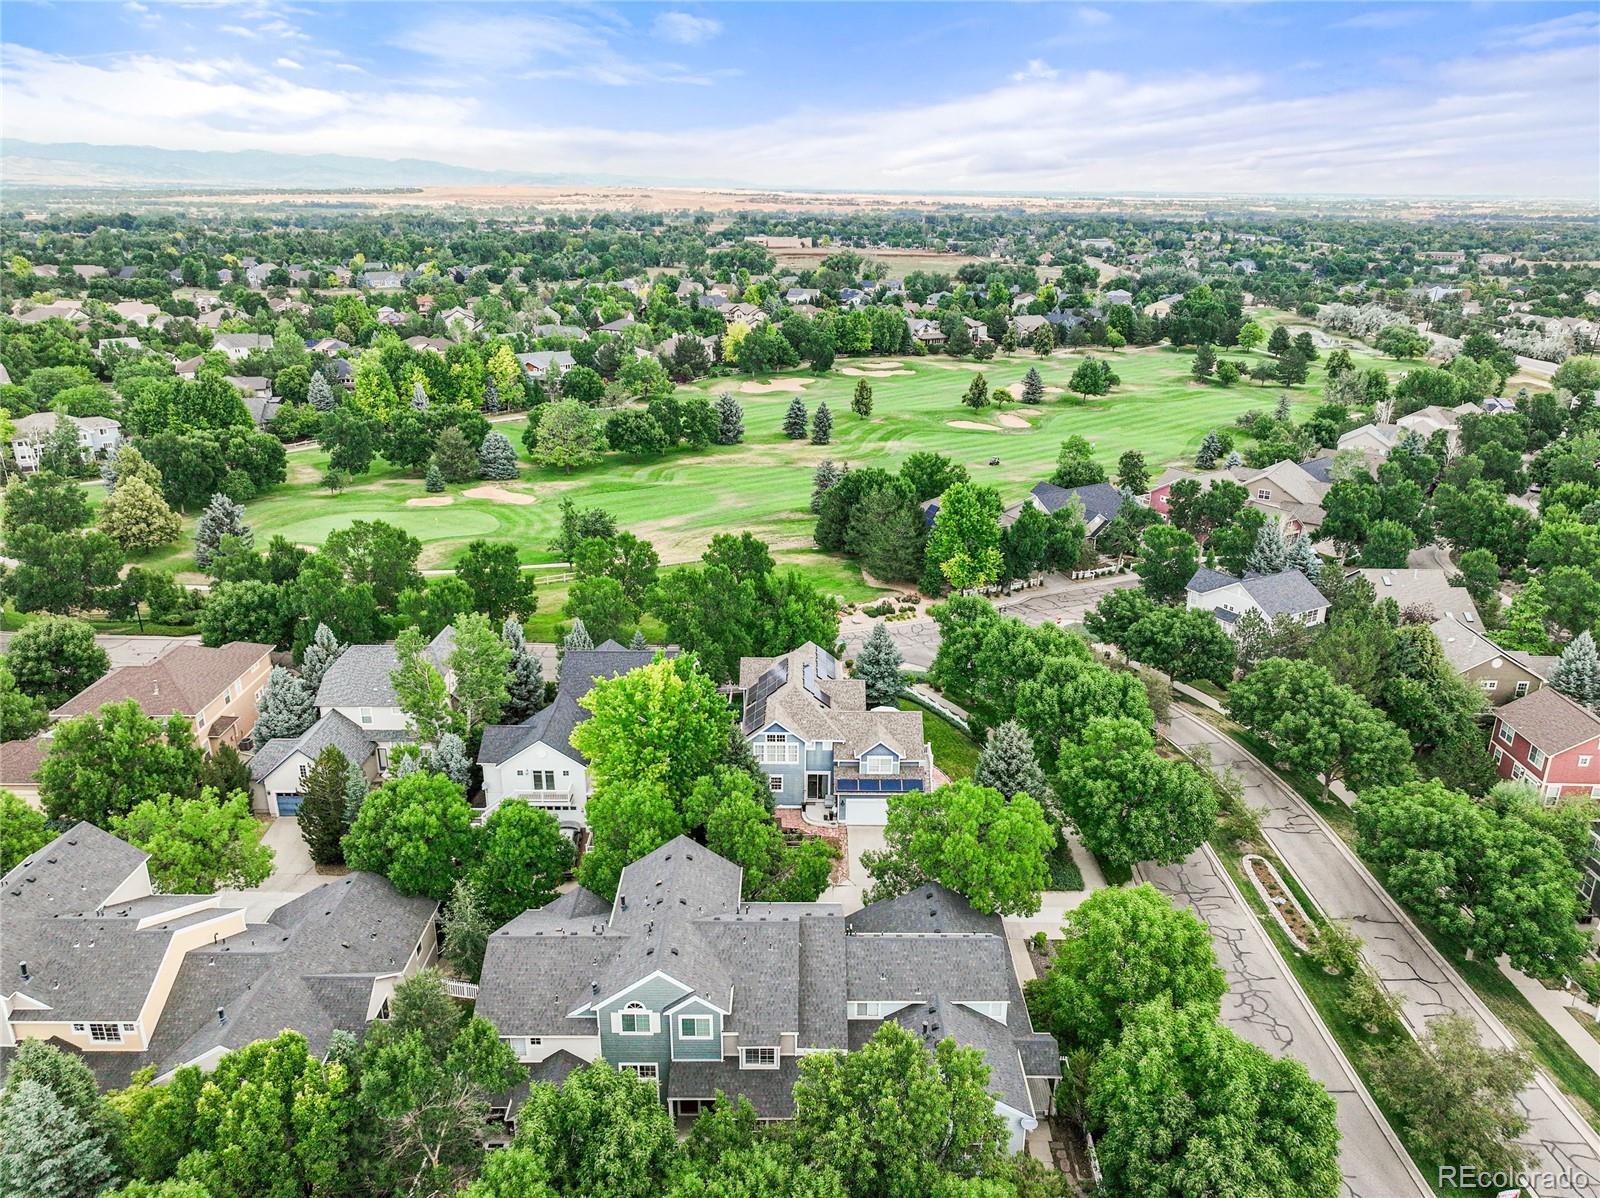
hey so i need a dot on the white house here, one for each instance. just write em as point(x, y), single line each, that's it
point(279, 768)
point(240, 345)
point(99, 437)
point(1228, 598)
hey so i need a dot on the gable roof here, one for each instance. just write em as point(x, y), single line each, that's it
point(1101, 501)
point(343, 733)
point(361, 675)
point(806, 693)
point(1287, 592)
point(184, 680)
point(553, 725)
point(1550, 721)
point(1423, 588)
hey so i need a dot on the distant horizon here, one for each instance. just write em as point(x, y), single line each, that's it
point(1389, 101)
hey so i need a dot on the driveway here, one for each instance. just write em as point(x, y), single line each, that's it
point(848, 894)
point(292, 872)
point(1265, 1005)
point(1402, 957)
point(1060, 601)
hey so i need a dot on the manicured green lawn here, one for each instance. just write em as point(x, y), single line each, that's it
point(954, 752)
point(764, 485)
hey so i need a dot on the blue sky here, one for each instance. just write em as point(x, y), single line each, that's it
point(1394, 98)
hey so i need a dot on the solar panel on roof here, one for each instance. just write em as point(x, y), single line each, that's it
point(755, 700)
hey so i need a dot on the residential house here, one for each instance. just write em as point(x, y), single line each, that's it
point(925, 332)
point(1286, 593)
point(534, 762)
point(251, 386)
point(255, 277)
point(436, 345)
point(670, 346)
point(1100, 503)
point(117, 344)
point(215, 689)
point(238, 346)
point(1548, 741)
point(327, 345)
point(687, 986)
point(1501, 674)
point(359, 686)
point(383, 280)
point(570, 331)
point(801, 295)
point(19, 766)
point(99, 962)
point(1425, 422)
point(977, 330)
point(98, 437)
point(136, 312)
point(1372, 441)
point(67, 310)
point(539, 362)
point(617, 325)
point(189, 368)
point(1427, 591)
point(459, 321)
point(747, 314)
point(1116, 296)
point(279, 767)
point(820, 747)
point(90, 272)
point(1098, 243)
point(390, 316)
point(1025, 327)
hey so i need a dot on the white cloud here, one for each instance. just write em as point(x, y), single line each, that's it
point(686, 29)
point(1530, 123)
point(1037, 68)
point(287, 64)
point(238, 31)
point(1390, 16)
point(1091, 18)
point(534, 47)
point(1582, 27)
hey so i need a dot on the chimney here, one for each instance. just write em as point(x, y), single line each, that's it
point(222, 1015)
point(23, 965)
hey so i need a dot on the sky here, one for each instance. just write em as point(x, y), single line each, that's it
point(1395, 98)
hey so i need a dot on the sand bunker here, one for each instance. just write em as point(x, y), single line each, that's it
point(1054, 391)
point(775, 385)
point(1007, 420)
point(431, 501)
point(500, 495)
point(873, 374)
point(972, 424)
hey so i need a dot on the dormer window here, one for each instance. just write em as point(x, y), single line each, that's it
point(883, 764)
point(758, 1058)
point(635, 1020)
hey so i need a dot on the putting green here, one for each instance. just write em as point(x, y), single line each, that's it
point(426, 524)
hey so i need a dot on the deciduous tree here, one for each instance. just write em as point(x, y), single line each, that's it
point(198, 845)
point(101, 764)
point(415, 831)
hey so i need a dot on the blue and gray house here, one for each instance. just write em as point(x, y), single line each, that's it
point(683, 984)
point(820, 746)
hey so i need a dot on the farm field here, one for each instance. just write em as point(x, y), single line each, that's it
point(679, 501)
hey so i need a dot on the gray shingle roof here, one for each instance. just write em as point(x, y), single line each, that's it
point(360, 675)
point(1288, 591)
point(1101, 501)
point(334, 729)
point(770, 1091)
point(553, 725)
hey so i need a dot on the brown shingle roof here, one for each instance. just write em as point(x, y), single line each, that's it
point(184, 680)
point(19, 760)
point(1550, 721)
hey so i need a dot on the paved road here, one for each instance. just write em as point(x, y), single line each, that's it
point(1398, 952)
point(1061, 601)
point(1266, 1006)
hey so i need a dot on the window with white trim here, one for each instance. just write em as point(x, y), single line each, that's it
point(1583, 762)
point(645, 1071)
point(1522, 688)
point(366, 715)
point(777, 749)
point(775, 783)
point(1535, 756)
point(105, 1033)
point(1506, 733)
point(1488, 684)
point(882, 764)
point(635, 1020)
point(1263, 493)
point(758, 1058)
point(694, 1027)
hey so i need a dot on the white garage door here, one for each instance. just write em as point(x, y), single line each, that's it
point(859, 810)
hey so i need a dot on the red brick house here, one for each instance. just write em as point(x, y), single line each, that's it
point(1549, 741)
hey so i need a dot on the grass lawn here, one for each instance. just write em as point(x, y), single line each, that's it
point(954, 752)
point(681, 500)
point(1064, 871)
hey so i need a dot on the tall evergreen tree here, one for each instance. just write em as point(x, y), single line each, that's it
point(1205, 362)
point(638, 642)
point(286, 707)
point(46, 1148)
point(222, 518)
point(822, 425)
point(319, 395)
point(577, 638)
point(1008, 764)
point(1032, 386)
point(1279, 343)
point(1303, 557)
point(977, 395)
point(322, 806)
point(730, 420)
point(878, 665)
point(525, 686)
point(319, 656)
point(356, 785)
point(1577, 675)
point(1270, 554)
point(823, 480)
point(1210, 452)
point(449, 757)
point(496, 458)
point(433, 479)
point(466, 931)
point(491, 396)
point(794, 420)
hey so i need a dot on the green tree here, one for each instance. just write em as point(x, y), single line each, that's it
point(898, 1120)
point(971, 839)
point(977, 393)
point(1007, 763)
point(102, 764)
point(1320, 727)
point(1250, 335)
point(1180, 1104)
point(878, 664)
point(350, 438)
point(198, 845)
point(1129, 804)
point(603, 607)
point(479, 660)
point(23, 831)
point(420, 689)
point(965, 539)
point(664, 722)
point(1168, 558)
point(453, 456)
point(741, 829)
point(603, 1133)
point(1459, 1098)
point(1491, 877)
point(136, 517)
point(322, 805)
point(525, 677)
point(861, 401)
point(465, 930)
point(500, 587)
point(522, 858)
point(286, 707)
point(434, 606)
point(1132, 472)
point(1577, 674)
point(1280, 342)
point(564, 434)
point(414, 830)
point(46, 1148)
point(1186, 644)
point(54, 658)
point(496, 458)
point(822, 425)
point(1205, 362)
point(794, 420)
point(1121, 949)
point(730, 420)
point(1400, 341)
